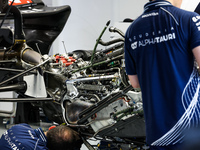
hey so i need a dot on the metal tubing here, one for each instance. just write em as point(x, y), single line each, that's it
point(8, 61)
point(93, 78)
point(99, 63)
point(21, 74)
point(16, 70)
point(15, 87)
point(113, 48)
point(111, 42)
point(25, 99)
point(113, 29)
point(99, 106)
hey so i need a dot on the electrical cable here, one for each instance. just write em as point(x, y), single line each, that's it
point(6, 13)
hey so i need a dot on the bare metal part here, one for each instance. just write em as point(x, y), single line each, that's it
point(24, 99)
point(15, 87)
point(93, 78)
point(23, 73)
point(102, 104)
point(72, 110)
point(111, 42)
point(72, 90)
point(113, 29)
point(16, 70)
point(91, 87)
point(31, 57)
point(90, 95)
point(66, 121)
point(8, 61)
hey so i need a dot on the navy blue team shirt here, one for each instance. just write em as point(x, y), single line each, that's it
point(23, 137)
point(158, 48)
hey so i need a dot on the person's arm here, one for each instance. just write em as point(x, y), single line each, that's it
point(134, 81)
point(196, 52)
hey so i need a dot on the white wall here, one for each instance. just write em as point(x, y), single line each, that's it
point(188, 5)
point(88, 18)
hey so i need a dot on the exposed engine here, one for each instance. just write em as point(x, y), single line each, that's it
point(90, 82)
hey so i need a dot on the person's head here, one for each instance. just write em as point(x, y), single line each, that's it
point(63, 137)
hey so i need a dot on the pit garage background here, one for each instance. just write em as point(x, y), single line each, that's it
point(85, 23)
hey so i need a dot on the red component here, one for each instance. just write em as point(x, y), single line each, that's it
point(51, 127)
point(61, 57)
point(66, 61)
point(20, 2)
point(72, 60)
point(57, 58)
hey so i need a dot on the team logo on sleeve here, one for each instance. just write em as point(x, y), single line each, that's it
point(197, 21)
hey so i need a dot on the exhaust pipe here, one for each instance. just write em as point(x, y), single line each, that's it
point(31, 57)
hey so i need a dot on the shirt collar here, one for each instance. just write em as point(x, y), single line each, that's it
point(156, 4)
point(40, 134)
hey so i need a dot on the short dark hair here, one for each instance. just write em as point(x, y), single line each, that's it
point(63, 137)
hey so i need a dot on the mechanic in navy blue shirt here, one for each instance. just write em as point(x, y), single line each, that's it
point(162, 51)
point(23, 137)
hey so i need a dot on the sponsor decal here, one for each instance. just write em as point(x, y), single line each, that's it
point(10, 143)
point(150, 15)
point(155, 40)
point(29, 131)
point(155, 37)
